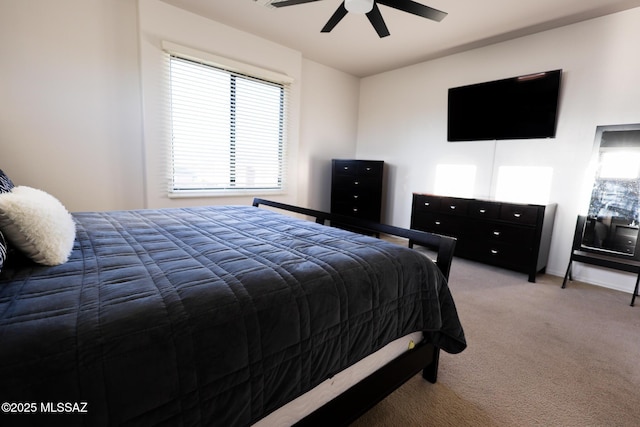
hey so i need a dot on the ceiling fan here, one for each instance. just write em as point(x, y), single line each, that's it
point(370, 8)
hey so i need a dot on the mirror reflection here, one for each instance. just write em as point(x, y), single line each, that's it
point(614, 216)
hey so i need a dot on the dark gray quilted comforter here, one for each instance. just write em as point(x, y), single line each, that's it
point(205, 316)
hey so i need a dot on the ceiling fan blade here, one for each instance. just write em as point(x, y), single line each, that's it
point(290, 2)
point(375, 17)
point(337, 17)
point(410, 6)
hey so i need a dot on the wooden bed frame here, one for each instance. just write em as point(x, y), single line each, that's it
point(350, 405)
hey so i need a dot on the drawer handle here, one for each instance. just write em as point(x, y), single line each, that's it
point(494, 252)
point(355, 209)
point(427, 203)
point(346, 168)
point(483, 211)
point(453, 207)
point(355, 196)
point(368, 169)
point(356, 182)
point(517, 214)
point(496, 233)
point(437, 222)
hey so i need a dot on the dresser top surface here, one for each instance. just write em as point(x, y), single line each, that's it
point(481, 200)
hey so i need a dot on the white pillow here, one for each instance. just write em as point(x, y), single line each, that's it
point(38, 224)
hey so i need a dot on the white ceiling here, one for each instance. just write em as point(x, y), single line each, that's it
point(354, 47)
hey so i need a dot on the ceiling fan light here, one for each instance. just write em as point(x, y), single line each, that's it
point(358, 6)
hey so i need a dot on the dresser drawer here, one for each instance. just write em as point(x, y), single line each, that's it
point(372, 169)
point(359, 210)
point(454, 206)
point(440, 224)
point(499, 232)
point(519, 214)
point(352, 182)
point(345, 168)
point(486, 210)
point(426, 203)
point(357, 196)
point(503, 254)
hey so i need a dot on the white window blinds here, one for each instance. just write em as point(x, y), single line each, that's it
point(227, 128)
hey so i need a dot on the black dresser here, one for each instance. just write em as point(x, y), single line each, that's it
point(510, 235)
point(356, 188)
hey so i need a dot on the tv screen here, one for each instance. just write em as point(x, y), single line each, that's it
point(515, 108)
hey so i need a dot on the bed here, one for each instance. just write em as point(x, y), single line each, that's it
point(216, 315)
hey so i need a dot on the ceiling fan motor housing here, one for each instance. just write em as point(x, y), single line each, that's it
point(358, 6)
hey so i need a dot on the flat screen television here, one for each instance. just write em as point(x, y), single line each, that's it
point(520, 107)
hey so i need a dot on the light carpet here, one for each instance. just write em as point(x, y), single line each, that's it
point(537, 355)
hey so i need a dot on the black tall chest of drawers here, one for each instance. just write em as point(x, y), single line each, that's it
point(509, 235)
point(356, 188)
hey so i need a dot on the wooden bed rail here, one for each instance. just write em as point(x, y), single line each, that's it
point(443, 245)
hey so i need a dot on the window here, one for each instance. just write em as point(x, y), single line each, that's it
point(227, 129)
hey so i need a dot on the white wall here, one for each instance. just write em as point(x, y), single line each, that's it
point(329, 129)
point(402, 120)
point(70, 120)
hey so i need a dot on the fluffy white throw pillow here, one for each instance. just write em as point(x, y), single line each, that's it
point(38, 224)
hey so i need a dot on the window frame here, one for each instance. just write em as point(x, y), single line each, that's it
point(243, 70)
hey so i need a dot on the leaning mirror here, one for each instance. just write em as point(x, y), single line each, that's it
point(613, 216)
